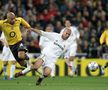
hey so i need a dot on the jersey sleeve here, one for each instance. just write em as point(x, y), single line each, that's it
point(50, 35)
point(25, 23)
point(41, 41)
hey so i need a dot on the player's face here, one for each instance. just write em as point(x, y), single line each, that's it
point(11, 20)
point(67, 23)
point(66, 34)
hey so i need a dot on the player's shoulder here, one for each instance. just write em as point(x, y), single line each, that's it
point(3, 21)
point(74, 27)
point(54, 34)
point(18, 18)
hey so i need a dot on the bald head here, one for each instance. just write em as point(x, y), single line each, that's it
point(10, 14)
point(11, 17)
point(66, 33)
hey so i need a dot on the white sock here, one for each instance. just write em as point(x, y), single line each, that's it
point(5, 70)
point(26, 70)
point(72, 67)
point(12, 69)
point(53, 71)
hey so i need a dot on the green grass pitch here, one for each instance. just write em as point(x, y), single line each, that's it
point(57, 83)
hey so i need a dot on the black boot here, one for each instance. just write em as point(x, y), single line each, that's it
point(40, 79)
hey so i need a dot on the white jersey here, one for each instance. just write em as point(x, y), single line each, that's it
point(6, 52)
point(74, 35)
point(43, 42)
point(56, 46)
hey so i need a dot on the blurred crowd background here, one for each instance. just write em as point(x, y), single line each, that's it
point(89, 16)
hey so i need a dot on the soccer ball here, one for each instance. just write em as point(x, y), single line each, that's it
point(93, 66)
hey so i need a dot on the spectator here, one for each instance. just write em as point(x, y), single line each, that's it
point(88, 15)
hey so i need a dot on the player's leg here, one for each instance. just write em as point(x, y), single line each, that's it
point(46, 73)
point(22, 53)
point(13, 64)
point(5, 55)
point(12, 69)
point(35, 66)
point(71, 65)
point(48, 64)
point(23, 57)
point(19, 52)
point(53, 71)
point(5, 63)
point(69, 57)
point(103, 68)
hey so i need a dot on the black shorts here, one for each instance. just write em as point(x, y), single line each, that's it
point(14, 49)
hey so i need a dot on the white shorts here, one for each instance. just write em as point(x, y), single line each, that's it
point(72, 50)
point(7, 54)
point(48, 61)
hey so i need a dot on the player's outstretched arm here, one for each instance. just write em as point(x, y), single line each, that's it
point(25, 23)
point(49, 35)
point(36, 31)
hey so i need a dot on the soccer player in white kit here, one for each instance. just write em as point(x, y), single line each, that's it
point(71, 52)
point(50, 53)
point(44, 42)
point(7, 56)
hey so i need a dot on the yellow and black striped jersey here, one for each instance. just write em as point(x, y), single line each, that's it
point(12, 32)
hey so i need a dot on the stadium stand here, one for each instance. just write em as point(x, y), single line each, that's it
point(90, 16)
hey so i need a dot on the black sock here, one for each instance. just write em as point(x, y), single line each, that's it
point(40, 79)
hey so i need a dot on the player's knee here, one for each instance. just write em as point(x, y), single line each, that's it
point(37, 64)
point(47, 71)
point(23, 55)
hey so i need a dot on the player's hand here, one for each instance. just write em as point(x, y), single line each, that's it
point(32, 29)
point(28, 29)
